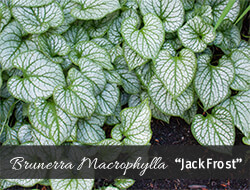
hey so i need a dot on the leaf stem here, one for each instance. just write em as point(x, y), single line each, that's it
point(202, 108)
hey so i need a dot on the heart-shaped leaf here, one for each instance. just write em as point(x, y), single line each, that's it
point(31, 3)
point(147, 41)
point(163, 100)
point(176, 73)
point(135, 125)
point(77, 98)
point(90, 131)
point(94, 10)
point(114, 33)
point(214, 129)
point(38, 19)
point(40, 77)
point(60, 123)
point(239, 107)
point(53, 46)
point(212, 82)
point(241, 60)
point(108, 100)
point(171, 12)
point(91, 53)
point(12, 43)
point(132, 58)
point(69, 184)
point(196, 34)
point(5, 15)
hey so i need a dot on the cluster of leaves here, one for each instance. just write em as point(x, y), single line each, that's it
point(69, 67)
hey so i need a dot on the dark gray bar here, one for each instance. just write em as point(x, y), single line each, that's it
point(136, 162)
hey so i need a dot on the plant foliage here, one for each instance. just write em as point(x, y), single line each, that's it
point(70, 67)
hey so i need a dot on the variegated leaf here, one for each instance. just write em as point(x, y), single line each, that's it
point(212, 82)
point(108, 100)
point(219, 6)
point(124, 183)
point(69, 184)
point(204, 11)
point(239, 107)
point(89, 131)
point(77, 98)
point(215, 129)
point(31, 3)
point(147, 41)
point(38, 19)
point(132, 58)
point(228, 36)
point(75, 35)
point(5, 15)
point(41, 76)
point(12, 43)
point(163, 100)
point(241, 60)
point(196, 34)
point(171, 12)
point(156, 113)
point(59, 122)
point(89, 52)
point(136, 125)
point(176, 73)
point(24, 134)
point(130, 82)
point(94, 10)
point(53, 46)
point(114, 32)
point(98, 28)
